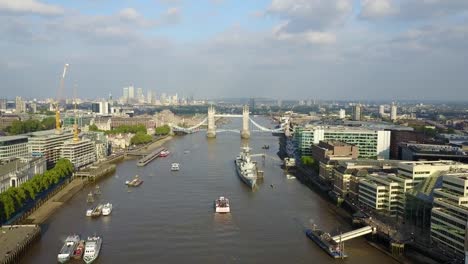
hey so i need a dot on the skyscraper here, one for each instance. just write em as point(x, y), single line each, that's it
point(140, 97)
point(131, 92)
point(20, 105)
point(252, 105)
point(3, 104)
point(125, 94)
point(382, 110)
point(342, 114)
point(394, 112)
point(357, 112)
point(149, 97)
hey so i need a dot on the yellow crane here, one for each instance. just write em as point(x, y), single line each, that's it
point(58, 124)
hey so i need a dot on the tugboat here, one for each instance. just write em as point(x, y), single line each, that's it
point(246, 168)
point(135, 182)
point(107, 209)
point(175, 167)
point(92, 248)
point(78, 253)
point(222, 205)
point(325, 241)
point(68, 248)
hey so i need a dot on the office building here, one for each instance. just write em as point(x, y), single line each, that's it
point(3, 104)
point(449, 214)
point(104, 108)
point(348, 174)
point(415, 152)
point(342, 114)
point(80, 153)
point(48, 144)
point(382, 110)
point(34, 107)
point(20, 105)
point(398, 136)
point(149, 97)
point(328, 153)
point(140, 97)
point(17, 171)
point(393, 112)
point(131, 92)
point(380, 192)
point(357, 112)
point(7, 120)
point(14, 147)
point(103, 146)
point(371, 143)
point(125, 95)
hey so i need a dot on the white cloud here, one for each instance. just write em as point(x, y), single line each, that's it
point(378, 8)
point(305, 15)
point(310, 37)
point(30, 7)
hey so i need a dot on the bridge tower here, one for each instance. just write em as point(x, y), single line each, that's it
point(211, 131)
point(245, 132)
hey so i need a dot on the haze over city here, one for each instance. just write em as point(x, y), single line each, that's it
point(336, 49)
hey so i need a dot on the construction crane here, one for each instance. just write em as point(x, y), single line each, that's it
point(58, 124)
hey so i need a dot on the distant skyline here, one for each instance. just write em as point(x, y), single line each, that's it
point(336, 49)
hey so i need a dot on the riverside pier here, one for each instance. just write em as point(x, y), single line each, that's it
point(150, 157)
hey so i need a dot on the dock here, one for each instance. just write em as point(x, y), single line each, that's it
point(15, 240)
point(150, 157)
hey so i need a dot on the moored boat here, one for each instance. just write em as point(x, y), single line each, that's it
point(89, 212)
point(325, 241)
point(92, 249)
point(135, 182)
point(97, 210)
point(107, 209)
point(79, 250)
point(164, 153)
point(222, 205)
point(68, 248)
point(175, 167)
point(246, 168)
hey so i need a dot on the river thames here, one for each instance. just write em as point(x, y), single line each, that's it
point(170, 219)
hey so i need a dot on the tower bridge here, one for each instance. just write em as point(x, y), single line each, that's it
point(211, 130)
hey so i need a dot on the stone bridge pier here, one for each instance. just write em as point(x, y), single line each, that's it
point(211, 130)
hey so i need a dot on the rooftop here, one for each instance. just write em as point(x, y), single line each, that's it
point(10, 138)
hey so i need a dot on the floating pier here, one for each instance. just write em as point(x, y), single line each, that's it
point(150, 157)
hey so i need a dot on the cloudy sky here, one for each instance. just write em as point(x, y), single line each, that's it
point(323, 49)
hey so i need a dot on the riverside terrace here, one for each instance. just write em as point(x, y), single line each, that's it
point(15, 239)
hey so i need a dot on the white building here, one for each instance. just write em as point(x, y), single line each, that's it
point(104, 108)
point(342, 114)
point(48, 144)
point(80, 153)
point(372, 143)
point(14, 147)
point(394, 112)
point(131, 92)
point(357, 112)
point(382, 110)
point(450, 213)
point(17, 171)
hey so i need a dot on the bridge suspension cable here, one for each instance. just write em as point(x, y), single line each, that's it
point(189, 128)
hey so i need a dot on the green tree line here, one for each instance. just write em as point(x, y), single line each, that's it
point(14, 198)
point(31, 125)
point(141, 138)
point(162, 130)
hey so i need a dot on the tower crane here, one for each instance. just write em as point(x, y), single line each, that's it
point(58, 125)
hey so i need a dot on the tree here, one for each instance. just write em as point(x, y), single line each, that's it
point(141, 138)
point(48, 123)
point(93, 127)
point(162, 130)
